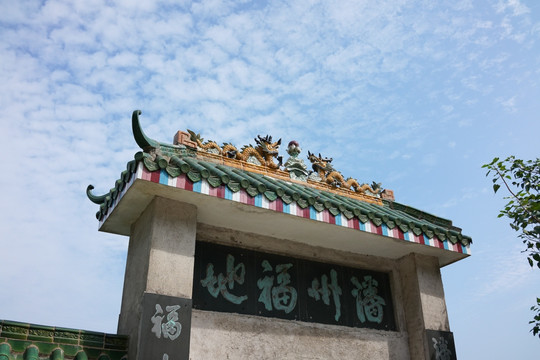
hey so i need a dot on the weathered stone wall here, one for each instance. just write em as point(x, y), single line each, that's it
point(423, 299)
point(160, 260)
point(232, 336)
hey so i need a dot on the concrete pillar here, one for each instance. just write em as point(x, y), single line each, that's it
point(161, 257)
point(423, 301)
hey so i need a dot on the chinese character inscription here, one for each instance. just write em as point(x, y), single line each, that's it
point(322, 290)
point(171, 328)
point(282, 296)
point(442, 352)
point(369, 305)
point(221, 284)
point(166, 327)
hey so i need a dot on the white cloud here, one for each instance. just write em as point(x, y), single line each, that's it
point(225, 38)
point(506, 273)
point(447, 108)
point(515, 6)
point(508, 104)
point(123, 59)
point(461, 197)
point(429, 159)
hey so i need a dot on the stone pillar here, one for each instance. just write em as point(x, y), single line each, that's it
point(160, 262)
point(423, 301)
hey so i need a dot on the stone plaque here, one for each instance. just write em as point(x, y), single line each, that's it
point(248, 282)
point(165, 328)
point(441, 345)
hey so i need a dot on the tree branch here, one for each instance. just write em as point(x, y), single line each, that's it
point(515, 197)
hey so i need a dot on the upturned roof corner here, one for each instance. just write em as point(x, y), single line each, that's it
point(144, 142)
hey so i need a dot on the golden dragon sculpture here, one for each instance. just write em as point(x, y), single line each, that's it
point(265, 151)
point(334, 178)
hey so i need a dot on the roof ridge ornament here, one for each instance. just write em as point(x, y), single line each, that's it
point(327, 173)
point(262, 154)
point(296, 167)
point(263, 157)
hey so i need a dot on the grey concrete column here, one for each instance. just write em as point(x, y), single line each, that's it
point(424, 303)
point(160, 261)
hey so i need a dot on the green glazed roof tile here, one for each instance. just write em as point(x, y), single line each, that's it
point(21, 340)
point(391, 214)
point(179, 159)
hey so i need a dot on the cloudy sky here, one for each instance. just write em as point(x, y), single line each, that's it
point(414, 94)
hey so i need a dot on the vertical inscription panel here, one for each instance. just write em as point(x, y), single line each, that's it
point(165, 327)
point(441, 345)
point(249, 282)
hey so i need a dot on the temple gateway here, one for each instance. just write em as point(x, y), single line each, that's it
point(262, 252)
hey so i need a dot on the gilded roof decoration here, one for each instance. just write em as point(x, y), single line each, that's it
point(266, 151)
point(262, 154)
point(325, 172)
point(259, 170)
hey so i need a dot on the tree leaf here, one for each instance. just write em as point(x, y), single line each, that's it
point(522, 180)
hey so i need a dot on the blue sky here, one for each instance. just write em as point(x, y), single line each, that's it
point(414, 94)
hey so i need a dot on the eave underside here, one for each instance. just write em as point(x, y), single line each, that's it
point(224, 213)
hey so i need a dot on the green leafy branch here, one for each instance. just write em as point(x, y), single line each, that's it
point(536, 320)
point(522, 180)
